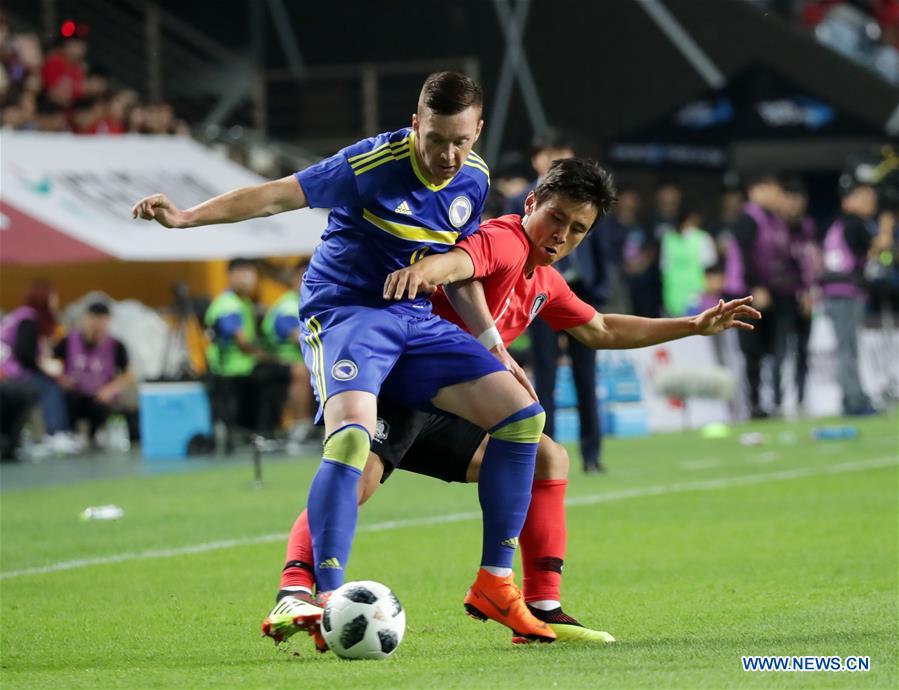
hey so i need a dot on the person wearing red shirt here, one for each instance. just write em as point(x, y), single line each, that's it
point(510, 282)
point(63, 71)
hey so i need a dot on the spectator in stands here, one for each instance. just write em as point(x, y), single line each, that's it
point(807, 253)
point(614, 230)
point(95, 370)
point(51, 117)
point(643, 250)
point(668, 201)
point(281, 329)
point(686, 252)
point(21, 115)
point(60, 94)
point(512, 175)
point(585, 271)
point(714, 287)
point(136, 120)
point(160, 118)
point(21, 58)
point(547, 146)
point(114, 114)
point(846, 247)
point(85, 112)
point(730, 206)
point(760, 262)
point(63, 72)
point(25, 360)
point(249, 387)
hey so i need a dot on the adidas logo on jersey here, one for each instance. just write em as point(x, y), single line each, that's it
point(331, 563)
point(404, 209)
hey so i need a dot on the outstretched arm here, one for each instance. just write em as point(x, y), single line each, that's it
point(619, 331)
point(256, 201)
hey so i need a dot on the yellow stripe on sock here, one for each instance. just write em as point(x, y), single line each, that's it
point(348, 445)
point(525, 430)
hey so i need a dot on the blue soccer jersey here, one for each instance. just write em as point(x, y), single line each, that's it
point(384, 216)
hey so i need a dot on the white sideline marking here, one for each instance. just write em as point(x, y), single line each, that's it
point(639, 492)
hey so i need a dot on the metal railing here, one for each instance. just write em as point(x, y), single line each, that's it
point(139, 45)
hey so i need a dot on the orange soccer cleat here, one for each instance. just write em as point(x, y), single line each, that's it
point(499, 599)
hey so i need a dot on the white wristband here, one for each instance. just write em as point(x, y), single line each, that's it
point(490, 338)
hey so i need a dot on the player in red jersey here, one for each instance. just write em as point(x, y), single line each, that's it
point(511, 258)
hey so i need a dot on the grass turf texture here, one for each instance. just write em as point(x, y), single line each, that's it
point(688, 572)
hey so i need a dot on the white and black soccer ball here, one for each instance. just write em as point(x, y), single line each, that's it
point(363, 620)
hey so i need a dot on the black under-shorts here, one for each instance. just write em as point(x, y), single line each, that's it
point(433, 444)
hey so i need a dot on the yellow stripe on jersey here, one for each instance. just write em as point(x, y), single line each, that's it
point(381, 161)
point(386, 153)
point(478, 166)
point(392, 150)
point(363, 158)
point(410, 232)
point(318, 357)
point(478, 159)
point(368, 153)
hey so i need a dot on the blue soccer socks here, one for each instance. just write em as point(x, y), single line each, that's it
point(333, 503)
point(504, 487)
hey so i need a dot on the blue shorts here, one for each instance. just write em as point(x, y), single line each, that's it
point(389, 351)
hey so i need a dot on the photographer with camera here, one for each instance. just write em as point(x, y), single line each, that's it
point(848, 244)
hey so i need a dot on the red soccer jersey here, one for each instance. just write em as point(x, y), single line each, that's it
point(499, 252)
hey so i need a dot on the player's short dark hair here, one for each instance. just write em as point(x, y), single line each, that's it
point(98, 309)
point(240, 262)
point(551, 138)
point(580, 179)
point(449, 93)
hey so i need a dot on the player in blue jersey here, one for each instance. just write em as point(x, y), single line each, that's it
point(395, 198)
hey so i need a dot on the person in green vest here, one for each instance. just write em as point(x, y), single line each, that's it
point(685, 254)
point(231, 322)
point(250, 384)
point(281, 325)
point(281, 331)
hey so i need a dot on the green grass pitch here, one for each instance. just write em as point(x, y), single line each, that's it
point(692, 552)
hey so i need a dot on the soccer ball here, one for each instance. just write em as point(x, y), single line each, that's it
point(363, 620)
